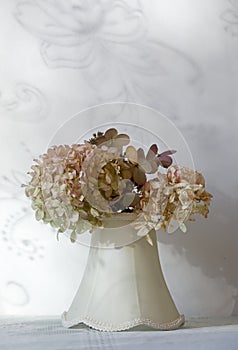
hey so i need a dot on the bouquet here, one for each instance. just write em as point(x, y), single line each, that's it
point(76, 187)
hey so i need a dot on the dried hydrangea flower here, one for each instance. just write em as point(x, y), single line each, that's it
point(175, 197)
point(187, 195)
point(55, 188)
point(177, 174)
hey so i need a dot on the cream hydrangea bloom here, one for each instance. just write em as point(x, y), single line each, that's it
point(174, 197)
point(55, 188)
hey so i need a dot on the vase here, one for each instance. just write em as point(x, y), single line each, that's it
point(123, 285)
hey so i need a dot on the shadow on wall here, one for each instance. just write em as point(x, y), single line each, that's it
point(211, 245)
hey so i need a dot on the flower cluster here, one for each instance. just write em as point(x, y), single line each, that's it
point(174, 198)
point(75, 187)
point(55, 188)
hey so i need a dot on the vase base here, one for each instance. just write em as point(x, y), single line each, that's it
point(110, 327)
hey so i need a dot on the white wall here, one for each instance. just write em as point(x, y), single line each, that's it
point(58, 57)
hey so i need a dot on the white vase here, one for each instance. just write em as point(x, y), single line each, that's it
point(122, 287)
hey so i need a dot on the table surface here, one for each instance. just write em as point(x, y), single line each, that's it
point(43, 333)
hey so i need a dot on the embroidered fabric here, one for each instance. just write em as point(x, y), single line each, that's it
point(109, 327)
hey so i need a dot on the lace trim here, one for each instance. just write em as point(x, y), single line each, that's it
point(107, 327)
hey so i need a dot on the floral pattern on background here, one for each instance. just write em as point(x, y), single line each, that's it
point(15, 234)
point(24, 103)
point(230, 17)
point(85, 34)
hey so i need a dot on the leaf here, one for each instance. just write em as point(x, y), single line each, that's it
point(152, 152)
point(165, 161)
point(144, 164)
point(108, 193)
point(124, 165)
point(122, 140)
point(154, 148)
point(110, 134)
point(150, 167)
point(140, 155)
point(148, 163)
point(114, 184)
point(110, 168)
point(102, 186)
point(164, 158)
point(131, 154)
point(100, 140)
point(139, 176)
point(127, 199)
point(167, 153)
point(126, 174)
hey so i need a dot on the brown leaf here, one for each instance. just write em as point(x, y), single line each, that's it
point(140, 155)
point(165, 161)
point(122, 140)
point(110, 134)
point(100, 140)
point(114, 184)
point(123, 165)
point(131, 154)
point(128, 199)
point(108, 193)
point(109, 168)
point(154, 149)
point(153, 167)
point(126, 174)
point(139, 176)
point(164, 158)
point(147, 164)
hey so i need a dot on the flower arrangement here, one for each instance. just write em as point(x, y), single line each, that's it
point(76, 187)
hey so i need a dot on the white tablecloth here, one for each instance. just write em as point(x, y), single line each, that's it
point(47, 333)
